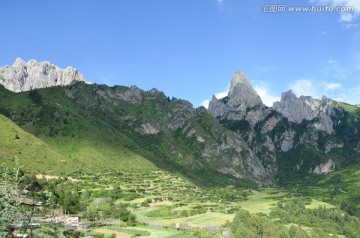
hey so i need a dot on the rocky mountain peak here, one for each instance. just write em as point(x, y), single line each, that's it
point(306, 108)
point(241, 97)
point(241, 91)
point(22, 76)
point(18, 62)
point(239, 78)
point(296, 109)
point(288, 96)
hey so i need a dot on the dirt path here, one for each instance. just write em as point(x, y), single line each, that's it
point(118, 234)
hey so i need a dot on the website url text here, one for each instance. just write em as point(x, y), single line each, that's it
point(273, 8)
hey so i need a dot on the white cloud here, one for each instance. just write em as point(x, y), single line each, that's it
point(262, 89)
point(335, 69)
point(332, 86)
point(304, 87)
point(351, 96)
point(267, 98)
point(337, 91)
point(345, 17)
point(222, 94)
point(219, 95)
point(205, 103)
point(220, 4)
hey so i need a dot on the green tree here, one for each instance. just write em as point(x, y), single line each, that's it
point(53, 208)
point(91, 213)
point(13, 205)
point(131, 220)
point(293, 230)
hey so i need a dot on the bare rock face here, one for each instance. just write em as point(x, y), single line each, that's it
point(217, 108)
point(306, 108)
point(23, 76)
point(287, 142)
point(325, 168)
point(241, 97)
point(296, 109)
point(237, 159)
point(132, 95)
point(242, 93)
point(147, 128)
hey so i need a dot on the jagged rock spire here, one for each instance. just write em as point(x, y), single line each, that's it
point(240, 97)
point(241, 91)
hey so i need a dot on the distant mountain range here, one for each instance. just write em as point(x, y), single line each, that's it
point(238, 141)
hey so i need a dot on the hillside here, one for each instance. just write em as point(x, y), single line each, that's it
point(67, 135)
point(32, 153)
point(341, 188)
point(98, 127)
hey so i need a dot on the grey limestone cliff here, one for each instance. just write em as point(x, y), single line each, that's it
point(306, 108)
point(23, 76)
point(241, 99)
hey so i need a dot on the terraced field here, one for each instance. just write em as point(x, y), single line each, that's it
point(154, 203)
point(169, 206)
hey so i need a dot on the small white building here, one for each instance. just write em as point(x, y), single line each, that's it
point(71, 220)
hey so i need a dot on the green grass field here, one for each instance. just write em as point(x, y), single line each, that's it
point(30, 151)
point(262, 201)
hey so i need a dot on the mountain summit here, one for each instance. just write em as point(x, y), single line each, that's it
point(241, 91)
point(23, 76)
point(236, 106)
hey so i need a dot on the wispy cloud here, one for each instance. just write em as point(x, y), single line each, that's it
point(304, 87)
point(351, 95)
point(266, 96)
point(337, 91)
point(220, 4)
point(346, 18)
point(332, 86)
point(222, 94)
point(334, 68)
point(205, 103)
point(219, 95)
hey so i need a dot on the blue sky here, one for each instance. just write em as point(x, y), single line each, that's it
point(190, 49)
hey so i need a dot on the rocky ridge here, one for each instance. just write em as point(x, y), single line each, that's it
point(293, 125)
point(306, 108)
point(23, 76)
